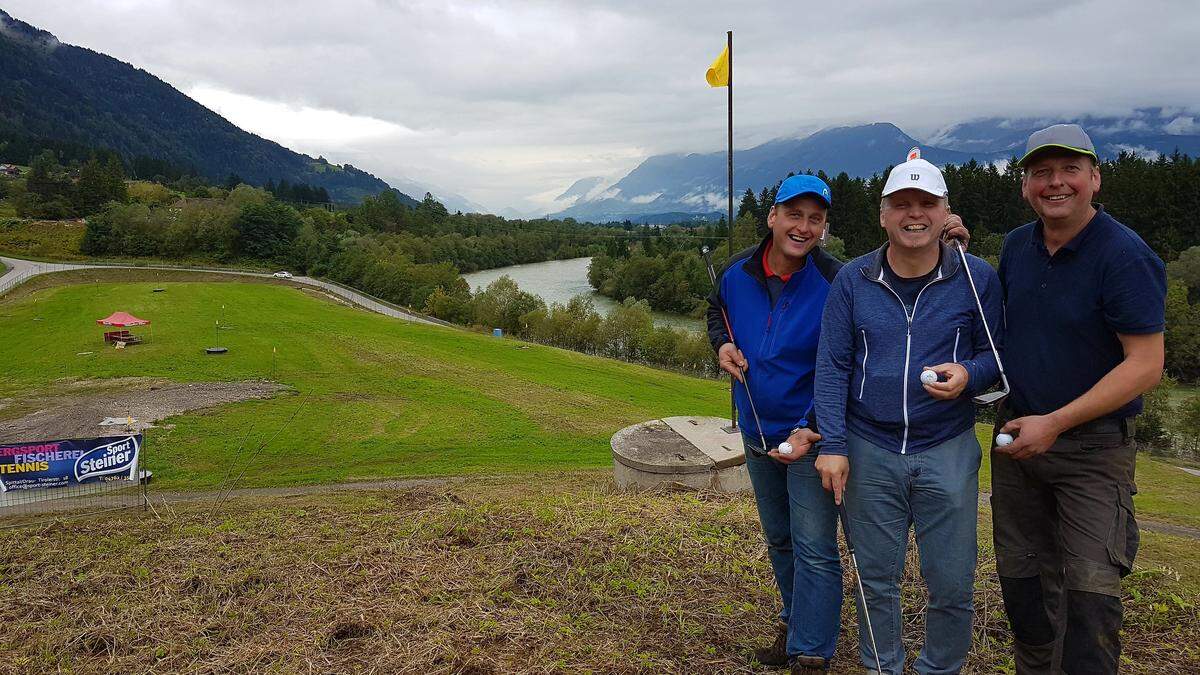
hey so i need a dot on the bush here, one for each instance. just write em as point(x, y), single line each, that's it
point(502, 304)
point(1153, 432)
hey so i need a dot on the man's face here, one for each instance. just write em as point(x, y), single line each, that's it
point(796, 225)
point(913, 218)
point(1060, 186)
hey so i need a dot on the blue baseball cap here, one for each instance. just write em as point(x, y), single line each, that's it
point(804, 184)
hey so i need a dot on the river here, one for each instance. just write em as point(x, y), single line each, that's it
point(557, 281)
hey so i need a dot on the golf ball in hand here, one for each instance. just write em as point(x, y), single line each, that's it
point(1003, 440)
point(785, 448)
point(928, 377)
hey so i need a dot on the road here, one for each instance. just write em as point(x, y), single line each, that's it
point(23, 270)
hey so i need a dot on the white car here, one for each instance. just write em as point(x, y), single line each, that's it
point(283, 275)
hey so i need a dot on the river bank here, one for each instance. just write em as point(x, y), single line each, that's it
point(557, 281)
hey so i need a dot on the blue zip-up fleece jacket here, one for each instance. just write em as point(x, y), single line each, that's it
point(779, 340)
point(871, 354)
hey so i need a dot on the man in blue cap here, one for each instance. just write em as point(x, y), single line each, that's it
point(1084, 309)
point(774, 294)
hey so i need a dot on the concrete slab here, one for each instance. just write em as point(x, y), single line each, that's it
point(709, 436)
point(654, 447)
point(679, 453)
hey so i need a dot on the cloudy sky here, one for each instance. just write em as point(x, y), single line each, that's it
point(507, 103)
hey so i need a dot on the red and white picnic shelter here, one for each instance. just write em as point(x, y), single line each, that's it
point(121, 320)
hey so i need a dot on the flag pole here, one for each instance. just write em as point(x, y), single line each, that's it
point(733, 420)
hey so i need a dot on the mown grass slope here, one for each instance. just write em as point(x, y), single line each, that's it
point(374, 396)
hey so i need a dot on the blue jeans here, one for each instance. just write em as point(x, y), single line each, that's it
point(937, 493)
point(799, 521)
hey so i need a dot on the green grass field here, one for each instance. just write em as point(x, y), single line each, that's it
point(374, 397)
point(380, 397)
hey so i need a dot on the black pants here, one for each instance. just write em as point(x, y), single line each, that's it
point(1065, 534)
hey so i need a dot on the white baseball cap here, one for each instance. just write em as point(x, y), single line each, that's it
point(918, 174)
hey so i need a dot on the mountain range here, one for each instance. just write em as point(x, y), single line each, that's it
point(694, 184)
point(56, 91)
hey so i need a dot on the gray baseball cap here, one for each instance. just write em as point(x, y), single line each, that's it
point(1065, 136)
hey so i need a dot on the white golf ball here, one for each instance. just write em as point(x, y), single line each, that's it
point(928, 377)
point(785, 448)
point(1003, 440)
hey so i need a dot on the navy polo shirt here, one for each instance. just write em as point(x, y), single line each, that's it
point(1063, 313)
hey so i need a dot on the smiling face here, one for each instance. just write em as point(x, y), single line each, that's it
point(913, 218)
point(796, 225)
point(1060, 186)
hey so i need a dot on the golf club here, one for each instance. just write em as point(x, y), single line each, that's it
point(712, 276)
point(862, 593)
point(992, 396)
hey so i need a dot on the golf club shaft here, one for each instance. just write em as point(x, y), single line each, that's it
point(982, 317)
point(712, 276)
point(862, 593)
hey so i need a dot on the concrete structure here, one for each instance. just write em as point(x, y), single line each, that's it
point(680, 452)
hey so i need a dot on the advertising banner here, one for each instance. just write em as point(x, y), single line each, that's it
point(53, 464)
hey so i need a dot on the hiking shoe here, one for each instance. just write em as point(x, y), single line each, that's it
point(776, 654)
point(809, 665)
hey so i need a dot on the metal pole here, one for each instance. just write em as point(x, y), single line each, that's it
point(733, 419)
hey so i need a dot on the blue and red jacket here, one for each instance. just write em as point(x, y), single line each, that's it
point(777, 325)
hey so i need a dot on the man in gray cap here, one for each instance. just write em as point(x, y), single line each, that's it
point(1084, 316)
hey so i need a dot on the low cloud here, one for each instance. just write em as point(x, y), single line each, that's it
point(709, 199)
point(295, 126)
point(1182, 126)
point(1139, 150)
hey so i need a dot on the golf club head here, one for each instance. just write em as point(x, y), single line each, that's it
point(990, 397)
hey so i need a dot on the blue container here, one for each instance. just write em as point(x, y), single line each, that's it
point(497, 332)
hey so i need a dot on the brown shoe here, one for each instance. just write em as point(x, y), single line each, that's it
point(809, 665)
point(776, 654)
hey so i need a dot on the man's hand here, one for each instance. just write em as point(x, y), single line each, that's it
point(731, 361)
point(834, 471)
point(802, 441)
point(955, 376)
point(954, 229)
point(1035, 434)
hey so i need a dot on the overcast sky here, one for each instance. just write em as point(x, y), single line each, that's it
point(507, 103)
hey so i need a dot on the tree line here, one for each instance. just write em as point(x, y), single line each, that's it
point(1158, 198)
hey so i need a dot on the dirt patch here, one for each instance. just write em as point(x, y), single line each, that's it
point(77, 412)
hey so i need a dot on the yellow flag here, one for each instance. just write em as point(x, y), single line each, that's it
point(718, 72)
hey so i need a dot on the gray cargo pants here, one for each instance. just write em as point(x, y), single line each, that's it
point(1065, 534)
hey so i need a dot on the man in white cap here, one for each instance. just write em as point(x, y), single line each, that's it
point(1084, 306)
point(899, 447)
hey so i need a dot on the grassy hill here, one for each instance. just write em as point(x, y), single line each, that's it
point(542, 570)
point(372, 397)
point(380, 397)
